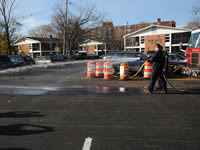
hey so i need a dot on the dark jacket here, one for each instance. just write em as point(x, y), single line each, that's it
point(158, 60)
point(166, 60)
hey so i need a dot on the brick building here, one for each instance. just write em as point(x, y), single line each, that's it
point(145, 39)
point(34, 46)
point(113, 35)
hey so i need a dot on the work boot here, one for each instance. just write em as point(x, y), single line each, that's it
point(149, 92)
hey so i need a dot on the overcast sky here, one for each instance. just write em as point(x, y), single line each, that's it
point(38, 12)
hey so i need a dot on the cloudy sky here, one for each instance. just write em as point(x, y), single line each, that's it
point(38, 12)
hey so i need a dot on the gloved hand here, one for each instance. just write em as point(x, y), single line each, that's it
point(149, 59)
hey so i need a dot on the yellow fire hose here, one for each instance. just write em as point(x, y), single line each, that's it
point(131, 77)
point(172, 85)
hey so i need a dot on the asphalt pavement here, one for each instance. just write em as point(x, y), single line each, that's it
point(58, 108)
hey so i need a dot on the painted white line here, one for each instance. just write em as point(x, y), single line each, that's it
point(87, 144)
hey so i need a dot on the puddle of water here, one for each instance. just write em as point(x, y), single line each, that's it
point(65, 90)
point(19, 91)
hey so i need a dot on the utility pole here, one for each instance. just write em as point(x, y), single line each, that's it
point(65, 29)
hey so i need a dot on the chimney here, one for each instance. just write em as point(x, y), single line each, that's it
point(159, 20)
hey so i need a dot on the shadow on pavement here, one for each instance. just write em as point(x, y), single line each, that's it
point(186, 92)
point(24, 129)
point(193, 91)
point(20, 114)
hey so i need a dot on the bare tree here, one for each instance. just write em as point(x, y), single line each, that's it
point(195, 21)
point(196, 12)
point(8, 20)
point(78, 25)
point(42, 31)
point(192, 25)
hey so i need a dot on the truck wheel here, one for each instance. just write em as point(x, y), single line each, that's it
point(195, 74)
point(198, 75)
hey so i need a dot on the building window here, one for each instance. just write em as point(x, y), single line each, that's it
point(167, 38)
point(128, 29)
point(30, 46)
point(142, 49)
point(36, 47)
point(178, 38)
point(142, 40)
point(108, 34)
point(118, 33)
point(99, 33)
point(167, 49)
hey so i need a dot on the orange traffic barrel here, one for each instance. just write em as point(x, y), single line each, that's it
point(124, 71)
point(91, 66)
point(108, 72)
point(99, 69)
point(148, 68)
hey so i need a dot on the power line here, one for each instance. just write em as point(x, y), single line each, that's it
point(73, 4)
point(36, 13)
point(28, 22)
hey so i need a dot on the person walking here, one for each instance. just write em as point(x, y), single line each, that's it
point(164, 71)
point(159, 63)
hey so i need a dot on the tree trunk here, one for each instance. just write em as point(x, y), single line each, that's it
point(8, 40)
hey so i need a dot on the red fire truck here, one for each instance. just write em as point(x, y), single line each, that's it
point(193, 55)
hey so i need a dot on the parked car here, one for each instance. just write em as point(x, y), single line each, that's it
point(5, 62)
point(17, 60)
point(79, 56)
point(149, 53)
point(176, 59)
point(29, 60)
point(67, 58)
point(61, 58)
point(57, 58)
point(92, 57)
point(182, 54)
point(125, 55)
point(108, 56)
point(43, 60)
point(83, 56)
point(134, 59)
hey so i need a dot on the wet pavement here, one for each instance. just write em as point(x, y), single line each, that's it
point(59, 108)
point(67, 90)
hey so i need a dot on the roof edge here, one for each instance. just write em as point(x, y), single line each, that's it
point(150, 26)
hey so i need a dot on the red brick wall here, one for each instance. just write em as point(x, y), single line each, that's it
point(117, 35)
point(91, 50)
point(25, 49)
point(151, 41)
point(123, 29)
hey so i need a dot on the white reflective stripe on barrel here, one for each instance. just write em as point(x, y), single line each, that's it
point(108, 73)
point(99, 71)
point(147, 73)
point(124, 75)
point(148, 67)
point(99, 67)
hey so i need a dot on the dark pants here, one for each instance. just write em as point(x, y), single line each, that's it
point(157, 74)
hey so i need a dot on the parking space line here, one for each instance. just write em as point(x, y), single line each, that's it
point(87, 143)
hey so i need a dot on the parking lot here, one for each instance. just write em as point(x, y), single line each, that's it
point(59, 108)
